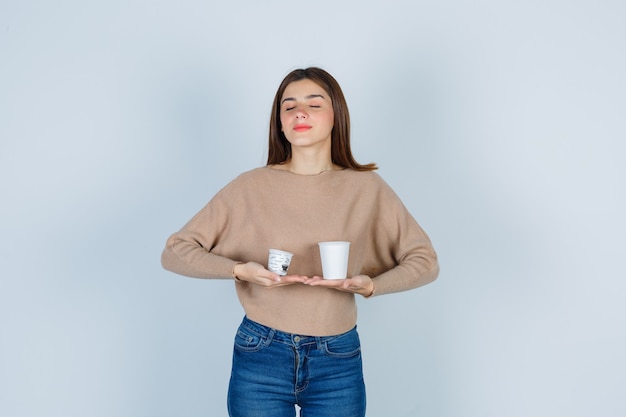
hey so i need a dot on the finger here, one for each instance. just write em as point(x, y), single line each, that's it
point(282, 280)
point(295, 278)
point(266, 282)
point(330, 283)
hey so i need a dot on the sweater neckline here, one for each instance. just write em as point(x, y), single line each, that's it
point(288, 172)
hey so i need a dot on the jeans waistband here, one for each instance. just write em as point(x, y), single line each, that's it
point(284, 337)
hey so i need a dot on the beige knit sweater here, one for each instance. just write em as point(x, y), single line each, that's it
point(270, 208)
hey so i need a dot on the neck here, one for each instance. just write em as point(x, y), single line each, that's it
point(313, 163)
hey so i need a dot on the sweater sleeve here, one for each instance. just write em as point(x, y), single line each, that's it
point(400, 237)
point(189, 251)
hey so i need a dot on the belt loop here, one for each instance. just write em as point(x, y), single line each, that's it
point(269, 337)
point(319, 342)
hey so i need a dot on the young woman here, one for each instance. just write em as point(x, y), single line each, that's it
point(298, 342)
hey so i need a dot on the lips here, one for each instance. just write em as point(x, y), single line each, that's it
point(302, 128)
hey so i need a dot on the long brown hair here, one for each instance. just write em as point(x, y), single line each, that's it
point(279, 147)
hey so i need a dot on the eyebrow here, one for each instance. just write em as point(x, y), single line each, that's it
point(310, 96)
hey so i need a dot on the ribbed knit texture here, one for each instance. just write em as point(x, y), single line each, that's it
point(271, 208)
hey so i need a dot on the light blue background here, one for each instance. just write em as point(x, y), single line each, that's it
point(499, 123)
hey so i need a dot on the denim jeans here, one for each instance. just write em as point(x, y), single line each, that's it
point(273, 371)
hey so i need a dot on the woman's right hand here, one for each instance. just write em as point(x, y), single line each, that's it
point(256, 273)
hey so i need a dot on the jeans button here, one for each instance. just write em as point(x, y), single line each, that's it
point(296, 339)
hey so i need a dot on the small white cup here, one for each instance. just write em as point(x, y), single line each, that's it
point(278, 261)
point(334, 257)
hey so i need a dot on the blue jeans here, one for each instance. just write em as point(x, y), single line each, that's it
point(273, 370)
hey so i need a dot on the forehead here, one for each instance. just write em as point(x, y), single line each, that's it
point(303, 88)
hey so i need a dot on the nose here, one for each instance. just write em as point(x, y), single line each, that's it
point(301, 114)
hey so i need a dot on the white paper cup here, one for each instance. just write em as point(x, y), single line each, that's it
point(334, 259)
point(279, 261)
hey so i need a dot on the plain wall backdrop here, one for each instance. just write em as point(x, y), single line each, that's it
point(499, 123)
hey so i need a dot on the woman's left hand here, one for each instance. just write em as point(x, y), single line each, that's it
point(358, 284)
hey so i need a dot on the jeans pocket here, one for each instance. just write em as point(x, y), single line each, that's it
point(343, 346)
point(248, 341)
